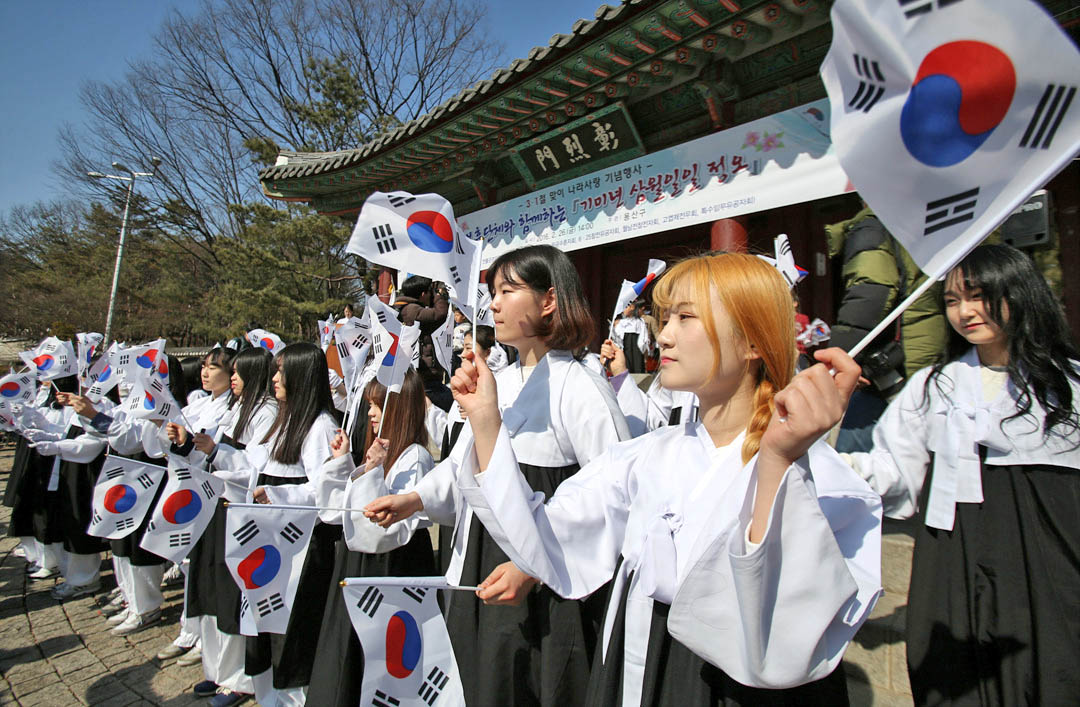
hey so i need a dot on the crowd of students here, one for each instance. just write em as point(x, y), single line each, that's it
point(693, 543)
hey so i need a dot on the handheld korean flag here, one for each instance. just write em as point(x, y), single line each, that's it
point(947, 115)
point(86, 345)
point(186, 506)
point(7, 417)
point(414, 233)
point(151, 400)
point(122, 496)
point(137, 363)
point(51, 359)
point(466, 296)
point(264, 550)
point(784, 262)
point(483, 308)
point(630, 291)
point(267, 340)
point(326, 333)
point(408, 659)
point(390, 343)
point(443, 338)
point(18, 388)
point(102, 377)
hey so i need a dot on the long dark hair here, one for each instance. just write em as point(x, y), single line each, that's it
point(403, 416)
point(191, 367)
point(1040, 346)
point(307, 395)
point(253, 367)
point(178, 385)
point(540, 268)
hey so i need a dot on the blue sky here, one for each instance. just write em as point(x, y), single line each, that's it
point(51, 46)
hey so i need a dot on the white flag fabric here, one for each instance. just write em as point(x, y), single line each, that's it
point(630, 291)
point(102, 377)
point(326, 333)
point(408, 659)
point(86, 345)
point(122, 496)
point(51, 359)
point(137, 363)
point(151, 400)
point(415, 233)
point(265, 549)
point(466, 295)
point(947, 115)
point(18, 388)
point(267, 340)
point(186, 506)
point(784, 262)
point(483, 308)
point(443, 338)
point(8, 422)
point(392, 344)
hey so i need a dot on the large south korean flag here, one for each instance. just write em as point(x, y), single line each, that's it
point(124, 491)
point(408, 659)
point(947, 114)
point(186, 506)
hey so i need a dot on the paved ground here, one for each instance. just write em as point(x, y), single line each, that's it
point(62, 654)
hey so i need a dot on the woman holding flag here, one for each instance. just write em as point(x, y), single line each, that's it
point(985, 450)
point(743, 553)
point(394, 462)
point(563, 416)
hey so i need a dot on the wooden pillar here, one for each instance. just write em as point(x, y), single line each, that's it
point(728, 234)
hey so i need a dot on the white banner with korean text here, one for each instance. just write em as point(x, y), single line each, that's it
point(783, 159)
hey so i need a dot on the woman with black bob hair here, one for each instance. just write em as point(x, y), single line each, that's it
point(538, 649)
point(391, 463)
point(985, 450)
point(296, 445)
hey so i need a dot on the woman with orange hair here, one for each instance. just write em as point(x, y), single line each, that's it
point(743, 553)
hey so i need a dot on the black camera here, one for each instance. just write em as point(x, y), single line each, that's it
point(884, 368)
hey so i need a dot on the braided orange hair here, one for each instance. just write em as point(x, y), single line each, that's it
point(759, 303)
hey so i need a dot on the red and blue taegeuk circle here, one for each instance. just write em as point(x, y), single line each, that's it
point(148, 401)
point(44, 362)
point(961, 92)
point(388, 359)
point(11, 389)
point(146, 360)
point(260, 567)
point(105, 373)
point(120, 499)
point(181, 507)
point(430, 231)
point(403, 645)
point(267, 343)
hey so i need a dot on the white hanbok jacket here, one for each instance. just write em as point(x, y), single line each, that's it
point(677, 510)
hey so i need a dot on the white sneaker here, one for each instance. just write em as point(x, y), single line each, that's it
point(137, 622)
point(67, 590)
point(192, 657)
point(44, 573)
point(119, 617)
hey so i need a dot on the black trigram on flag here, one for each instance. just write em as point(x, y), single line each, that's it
point(343, 351)
point(114, 473)
point(95, 516)
point(291, 533)
point(869, 91)
point(950, 211)
point(208, 489)
point(183, 474)
point(179, 539)
point(381, 316)
point(397, 201)
point(370, 601)
point(166, 409)
point(145, 481)
point(433, 685)
point(124, 360)
point(151, 526)
point(244, 606)
point(454, 274)
point(358, 341)
point(1051, 110)
point(416, 593)
point(382, 699)
point(915, 8)
point(246, 532)
point(269, 605)
point(384, 239)
point(125, 523)
point(377, 347)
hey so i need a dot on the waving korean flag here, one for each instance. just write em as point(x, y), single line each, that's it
point(326, 333)
point(392, 344)
point(417, 234)
point(947, 115)
point(18, 388)
point(267, 340)
point(51, 359)
point(408, 659)
point(784, 262)
point(630, 291)
point(184, 510)
point(102, 376)
point(137, 363)
point(265, 547)
point(151, 400)
point(443, 338)
point(124, 491)
point(86, 345)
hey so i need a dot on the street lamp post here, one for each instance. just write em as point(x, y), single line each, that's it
point(123, 230)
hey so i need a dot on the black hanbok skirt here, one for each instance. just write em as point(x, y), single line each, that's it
point(994, 604)
point(75, 500)
point(635, 360)
point(338, 673)
point(537, 653)
point(35, 511)
point(211, 588)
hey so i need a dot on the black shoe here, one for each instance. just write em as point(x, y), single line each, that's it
point(206, 688)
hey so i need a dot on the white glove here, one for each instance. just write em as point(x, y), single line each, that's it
point(34, 435)
point(46, 449)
